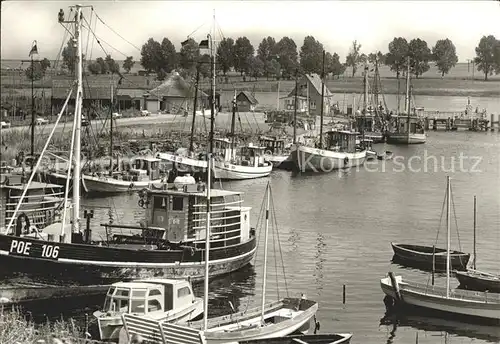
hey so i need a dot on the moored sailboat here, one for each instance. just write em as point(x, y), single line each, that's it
point(484, 306)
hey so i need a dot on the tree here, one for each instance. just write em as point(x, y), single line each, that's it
point(266, 52)
point(376, 57)
point(487, 57)
point(168, 60)
point(69, 56)
point(39, 69)
point(128, 64)
point(151, 53)
point(274, 68)
point(354, 57)
point(243, 52)
point(256, 67)
point(45, 64)
point(94, 68)
point(113, 66)
point(189, 54)
point(311, 56)
point(445, 55)
point(204, 65)
point(397, 55)
point(420, 55)
point(333, 65)
point(104, 66)
point(286, 51)
point(225, 55)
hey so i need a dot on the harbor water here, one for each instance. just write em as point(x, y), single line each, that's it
point(335, 229)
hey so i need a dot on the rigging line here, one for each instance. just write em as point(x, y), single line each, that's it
point(199, 27)
point(109, 27)
point(93, 37)
point(62, 43)
point(455, 216)
point(279, 243)
point(274, 230)
point(88, 38)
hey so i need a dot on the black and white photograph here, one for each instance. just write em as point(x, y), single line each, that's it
point(250, 172)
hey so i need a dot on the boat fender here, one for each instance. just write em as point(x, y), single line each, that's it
point(19, 223)
point(346, 161)
point(143, 192)
point(189, 250)
point(131, 186)
point(268, 152)
point(141, 203)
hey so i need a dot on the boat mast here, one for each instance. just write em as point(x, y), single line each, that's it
point(320, 146)
point(365, 100)
point(110, 134)
point(78, 114)
point(448, 235)
point(209, 186)
point(295, 106)
point(408, 99)
point(233, 120)
point(268, 196)
point(474, 261)
point(195, 104)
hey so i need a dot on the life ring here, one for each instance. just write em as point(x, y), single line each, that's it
point(141, 203)
point(346, 161)
point(19, 223)
point(189, 250)
point(268, 152)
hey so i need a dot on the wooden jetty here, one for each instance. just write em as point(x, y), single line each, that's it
point(449, 120)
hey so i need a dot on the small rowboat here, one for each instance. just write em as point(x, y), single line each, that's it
point(477, 280)
point(423, 256)
point(327, 338)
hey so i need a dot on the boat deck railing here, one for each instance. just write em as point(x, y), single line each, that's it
point(455, 293)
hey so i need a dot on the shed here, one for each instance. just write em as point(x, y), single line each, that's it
point(246, 101)
point(175, 94)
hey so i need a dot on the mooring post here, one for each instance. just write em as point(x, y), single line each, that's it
point(343, 294)
point(88, 233)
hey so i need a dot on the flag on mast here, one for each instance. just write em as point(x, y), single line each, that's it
point(34, 49)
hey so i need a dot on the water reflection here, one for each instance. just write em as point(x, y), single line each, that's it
point(426, 321)
point(319, 260)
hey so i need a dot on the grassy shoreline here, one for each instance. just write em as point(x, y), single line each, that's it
point(422, 86)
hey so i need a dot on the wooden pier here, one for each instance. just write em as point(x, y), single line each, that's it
point(437, 120)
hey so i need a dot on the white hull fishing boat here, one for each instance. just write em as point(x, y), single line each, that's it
point(485, 306)
point(228, 171)
point(322, 160)
point(409, 129)
point(163, 300)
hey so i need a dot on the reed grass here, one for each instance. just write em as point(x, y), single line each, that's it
point(16, 328)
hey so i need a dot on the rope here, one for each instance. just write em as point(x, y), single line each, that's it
point(116, 33)
point(279, 241)
point(455, 216)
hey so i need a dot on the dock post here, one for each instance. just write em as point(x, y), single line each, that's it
point(343, 294)
point(426, 123)
point(395, 285)
point(492, 122)
point(448, 120)
point(434, 124)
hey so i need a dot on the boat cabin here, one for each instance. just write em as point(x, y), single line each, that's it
point(145, 168)
point(341, 141)
point(223, 149)
point(252, 156)
point(148, 296)
point(38, 209)
point(273, 145)
point(403, 122)
point(179, 214)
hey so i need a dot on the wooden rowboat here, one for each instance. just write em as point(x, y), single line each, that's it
point(477, 280)
point(328, 338)
point(423, 256)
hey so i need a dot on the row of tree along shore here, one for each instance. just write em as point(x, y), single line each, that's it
point(282, 59)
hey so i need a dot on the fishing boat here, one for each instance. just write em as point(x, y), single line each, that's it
point(478, 280)
point(428, 256)
point(270, 320)
point(386, 155)
point(168, 243)
point(408, 129)
point(160, 299)
point(144, 172)
point(275, 151)
point(338, 151)
point(327, 338)
point(482, 306)
point(21, 293)
point(40, 207)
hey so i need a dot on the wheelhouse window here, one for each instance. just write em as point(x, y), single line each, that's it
point(154, 305)
point(177, 203)
point(158, 202)
point(184, 291)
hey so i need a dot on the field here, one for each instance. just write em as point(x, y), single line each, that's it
point(458, 82)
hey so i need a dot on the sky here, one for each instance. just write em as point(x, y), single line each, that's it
point(334, 23)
